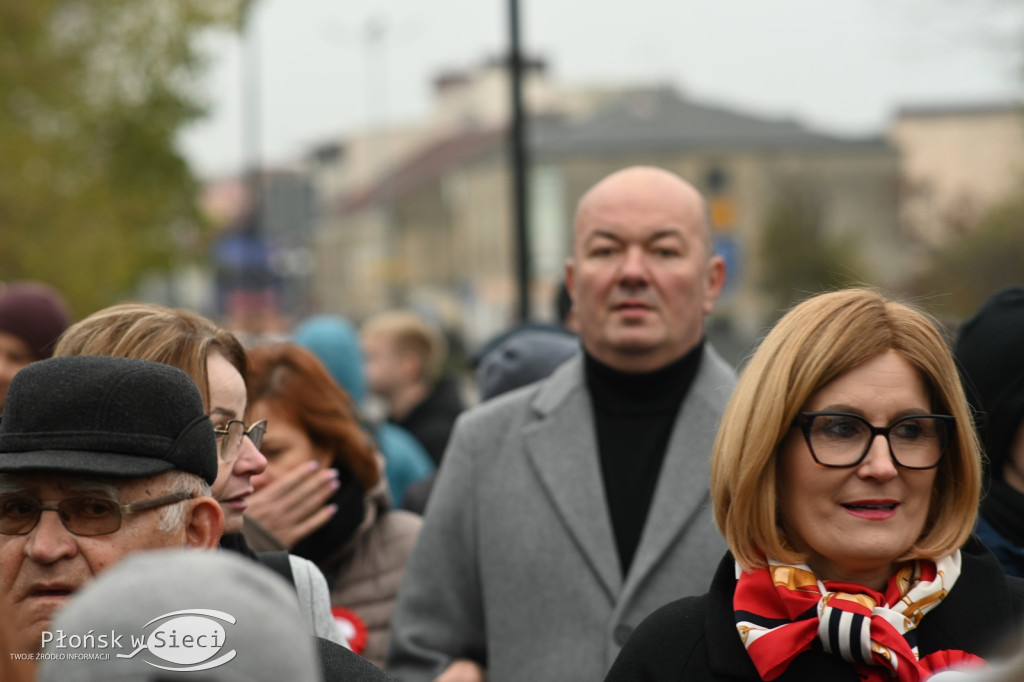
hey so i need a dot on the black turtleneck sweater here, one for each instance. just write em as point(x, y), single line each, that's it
point(634, 414)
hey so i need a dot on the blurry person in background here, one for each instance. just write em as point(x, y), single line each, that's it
point(564, 325)
point(845, 478)
point(512, 358)
point(405, 356)
point(335, 341)
point(32, 316)
point(216, 361)
point(990, 351)
point(312, 425)
point(522, 356)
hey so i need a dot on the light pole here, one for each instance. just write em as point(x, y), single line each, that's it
point(379, 163)
point(252, 121)
point(520, 162)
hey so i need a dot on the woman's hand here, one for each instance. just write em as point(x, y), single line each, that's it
point(293, 506)
point(462, 670)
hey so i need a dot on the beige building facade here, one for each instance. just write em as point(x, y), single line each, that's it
point(435, 232)
point(957, 162)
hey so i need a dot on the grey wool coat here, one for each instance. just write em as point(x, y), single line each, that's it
point(516, 564)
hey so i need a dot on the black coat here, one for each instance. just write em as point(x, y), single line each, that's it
point(432, 420)
point(695, 639)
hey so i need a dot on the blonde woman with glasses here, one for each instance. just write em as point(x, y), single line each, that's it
point(845, 478)
point(217, 362)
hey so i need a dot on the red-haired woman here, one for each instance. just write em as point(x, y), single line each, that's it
point(359, 543)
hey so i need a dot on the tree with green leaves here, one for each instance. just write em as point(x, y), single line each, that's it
point(93, 191)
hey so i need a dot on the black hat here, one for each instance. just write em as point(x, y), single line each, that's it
point(103, 416)
point(990, 351)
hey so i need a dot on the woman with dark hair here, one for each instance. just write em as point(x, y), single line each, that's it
point(363, 547)
point(845, 478)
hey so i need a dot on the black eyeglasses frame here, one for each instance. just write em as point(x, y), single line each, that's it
point(805, 420)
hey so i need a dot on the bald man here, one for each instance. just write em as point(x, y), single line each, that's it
point(568, 510)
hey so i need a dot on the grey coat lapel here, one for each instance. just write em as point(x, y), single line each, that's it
point(562, 448)
point(682, 487)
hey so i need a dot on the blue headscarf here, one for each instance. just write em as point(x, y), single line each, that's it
point(335, 341)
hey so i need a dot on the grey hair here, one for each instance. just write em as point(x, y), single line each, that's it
point(173, 515)
point(10, 487)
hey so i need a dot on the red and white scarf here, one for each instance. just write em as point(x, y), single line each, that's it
point(782, 610)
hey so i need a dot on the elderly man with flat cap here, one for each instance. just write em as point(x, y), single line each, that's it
point(568, 510)
point(99, 458)
point(123, 453)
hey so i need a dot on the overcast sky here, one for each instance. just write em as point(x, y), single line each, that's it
point(841, 66)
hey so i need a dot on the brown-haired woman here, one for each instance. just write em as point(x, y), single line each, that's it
point(363, 548)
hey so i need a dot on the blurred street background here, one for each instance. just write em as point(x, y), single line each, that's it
point(261, 161)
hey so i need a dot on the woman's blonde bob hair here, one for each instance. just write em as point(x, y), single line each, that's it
point(147, 331)
point(814, 343)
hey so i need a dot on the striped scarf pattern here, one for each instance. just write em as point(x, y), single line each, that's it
point(783, 610)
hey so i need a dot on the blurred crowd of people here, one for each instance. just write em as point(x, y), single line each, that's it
point(610, 500)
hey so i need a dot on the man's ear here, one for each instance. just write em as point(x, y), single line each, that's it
point(205, 524)
point(715, 274)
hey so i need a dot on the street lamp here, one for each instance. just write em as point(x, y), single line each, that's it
point(520, 162)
